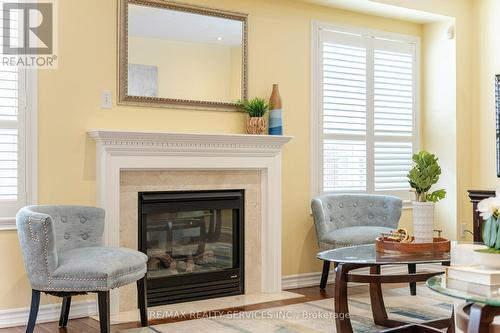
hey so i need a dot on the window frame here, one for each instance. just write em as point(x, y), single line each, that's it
point(316, 119)
point(27, 148)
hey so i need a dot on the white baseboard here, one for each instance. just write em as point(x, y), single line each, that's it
point(304, 280)
point(46, 313)
point(313, 279)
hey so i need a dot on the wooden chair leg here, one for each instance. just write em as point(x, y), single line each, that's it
point(104, 319)
point(142, 298)
point(324, 275)
point(451, 328)
point(412, 269)
point(66, 304)
point(35, 303)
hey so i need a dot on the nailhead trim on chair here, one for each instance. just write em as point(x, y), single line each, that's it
point(45, 252)
point(33, 236)
point(94, 278)
point(82, 289)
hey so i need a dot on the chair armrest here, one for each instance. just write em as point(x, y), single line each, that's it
point(321, 218)
point(37, 238)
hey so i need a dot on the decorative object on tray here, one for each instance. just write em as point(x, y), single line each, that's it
point(275, 113)
point(489, 209)
point(256, 109)
point(421, 177)
point(400, 235)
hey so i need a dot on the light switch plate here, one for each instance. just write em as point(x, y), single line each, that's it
point(106, 99)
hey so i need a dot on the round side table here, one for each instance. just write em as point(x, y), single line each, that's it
point(483, 303)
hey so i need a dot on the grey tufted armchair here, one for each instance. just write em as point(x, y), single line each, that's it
point(352, 219)
point(63, 256)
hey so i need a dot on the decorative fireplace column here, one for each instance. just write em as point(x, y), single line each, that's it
point(127, 150)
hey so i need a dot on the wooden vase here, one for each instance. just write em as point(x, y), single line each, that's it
point(256, 125)
point(276, 113)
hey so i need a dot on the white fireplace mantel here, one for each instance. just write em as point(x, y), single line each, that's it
point(189, 144)
point(130, 150)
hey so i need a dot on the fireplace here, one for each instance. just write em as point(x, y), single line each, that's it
point(194, 242)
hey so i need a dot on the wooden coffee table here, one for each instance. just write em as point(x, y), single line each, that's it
point(349, 258)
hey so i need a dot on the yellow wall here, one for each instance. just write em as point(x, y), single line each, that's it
point(438, 121)
point(279, 52)
point(487, 64)
point(190, 70)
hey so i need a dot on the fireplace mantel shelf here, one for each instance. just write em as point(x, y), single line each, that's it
point(110, 139)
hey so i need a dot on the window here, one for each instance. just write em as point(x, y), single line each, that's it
point(364, 111)
point(17, 133)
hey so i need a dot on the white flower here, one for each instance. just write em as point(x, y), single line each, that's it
point(489, 206)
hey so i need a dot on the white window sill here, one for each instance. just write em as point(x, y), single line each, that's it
point(8, 223)
point(407, 205)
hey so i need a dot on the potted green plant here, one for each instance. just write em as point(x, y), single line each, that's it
point(424, 174)
point(489, 210)
point(256, 109)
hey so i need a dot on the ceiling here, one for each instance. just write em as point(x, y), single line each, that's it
point(374, 7)
point(149, 22)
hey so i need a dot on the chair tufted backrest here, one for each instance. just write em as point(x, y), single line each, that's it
point(74, 226)
point(337, 211)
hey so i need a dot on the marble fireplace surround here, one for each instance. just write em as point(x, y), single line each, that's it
point(132, 182)
point(120, 151)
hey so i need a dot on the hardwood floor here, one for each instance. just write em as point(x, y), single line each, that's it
point(88, 325)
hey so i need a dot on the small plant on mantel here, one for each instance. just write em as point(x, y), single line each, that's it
point(256, 109)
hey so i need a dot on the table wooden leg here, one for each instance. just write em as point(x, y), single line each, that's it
point(379, 311)
point(480, 318)
point(342, 317)
point(377, 300)
point(451, 327)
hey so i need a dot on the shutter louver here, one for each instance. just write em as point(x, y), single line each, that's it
point(344, 114)
point(393, 95)
point(344, 89)
point(9, 119)
point(392, 163)
point(393, 119)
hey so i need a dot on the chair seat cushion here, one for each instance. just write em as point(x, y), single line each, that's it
point(97, 269)
point(352, 236)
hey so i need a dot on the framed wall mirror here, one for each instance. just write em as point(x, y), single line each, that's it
point(182, 56)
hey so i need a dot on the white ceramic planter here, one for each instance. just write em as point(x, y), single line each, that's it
point(487, 260)
point(423, 221)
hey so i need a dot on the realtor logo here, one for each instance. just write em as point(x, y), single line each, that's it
point(29, 34)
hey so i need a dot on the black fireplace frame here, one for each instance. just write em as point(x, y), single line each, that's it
point(202, 285)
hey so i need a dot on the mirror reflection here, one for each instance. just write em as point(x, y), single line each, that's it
point(180, 55)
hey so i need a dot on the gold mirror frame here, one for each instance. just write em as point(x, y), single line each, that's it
point(125, 99)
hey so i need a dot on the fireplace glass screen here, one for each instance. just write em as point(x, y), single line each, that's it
point(194, 243)
point(190, 242)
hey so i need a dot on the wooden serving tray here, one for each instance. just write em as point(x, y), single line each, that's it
point(386, 245)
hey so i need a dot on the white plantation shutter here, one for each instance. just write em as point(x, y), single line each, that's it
point(367, 113)
point(12, 129)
